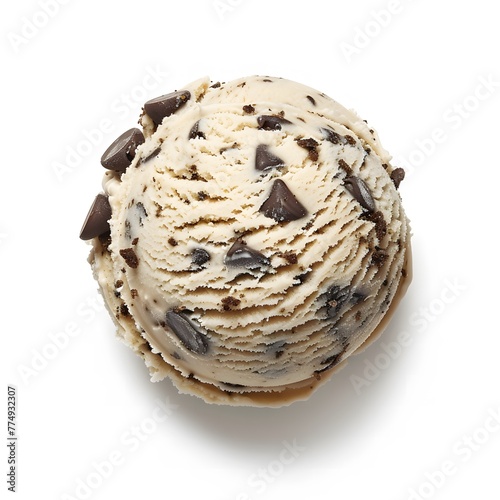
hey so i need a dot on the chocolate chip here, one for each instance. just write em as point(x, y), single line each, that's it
point(248, 108)
point(173, 242)
point(187, 332)
point(130, 257)
point(97, 220)
point(240, 255)
point(397, 175)
point(310, 144)
point(122, 151)
point(359, 190)
point(200, 256)
point(282, 205)
point(165, 105)
point(271, 122)
point(313, 101)
point(195, 133)
point(265, 160)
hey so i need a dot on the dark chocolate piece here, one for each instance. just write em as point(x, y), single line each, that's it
point(122, 150)
point(165, 105)
point(359, 190)
point(187, 332)
point(330, 362)
point(200, 256)
point(265, 160)
point(195, 133)
point(397, 175)
point(151, 155)
point(240, 255)
point(311, 99)
point(130, 257)
point(97, 220)
point(271, 122)
point(282, 205)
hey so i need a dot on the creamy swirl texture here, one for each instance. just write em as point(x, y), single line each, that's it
point(256, 239)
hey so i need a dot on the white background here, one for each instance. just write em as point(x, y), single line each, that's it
point(415, 423)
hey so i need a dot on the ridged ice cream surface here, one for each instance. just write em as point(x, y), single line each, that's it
point(257, 238)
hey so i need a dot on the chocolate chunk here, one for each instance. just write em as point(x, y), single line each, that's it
point(336, 297)
point(359, 190)
point(271, 122)
point(397, 175)
point(187, 332)
point(379, 258)
point(290, 257)
point(282, 205)
point(248, 108)
point(240, 255)
point(345, 166)
point(301, 278)
point(151, 155)
point(311, 99)
point(173, 242)
point(378, 219)
point(336, 138)
point(130, 257)
point(265, 160)
point(229, 303)
point(165, 105)
point(310, 144)
point(350, 140)
point(330, 362)
point(97, 220)
point(195, 133)
point(122, 151)
point(332, 136)
point(200, 256)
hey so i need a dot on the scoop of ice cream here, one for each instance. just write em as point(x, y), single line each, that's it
point(256, 238)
